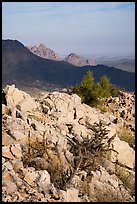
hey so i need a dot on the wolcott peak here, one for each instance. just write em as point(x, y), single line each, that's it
point(42, 46)
point(44, 52)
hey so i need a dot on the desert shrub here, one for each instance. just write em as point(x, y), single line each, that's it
point(110, 195)
point(105, 87)
point(84, 88)
point(45, 155)
point(125, 176)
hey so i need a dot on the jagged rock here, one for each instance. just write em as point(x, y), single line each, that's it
point(39, 155)
point(14, 98)
point(16, 150)
point(7, 139)
point(7, 153)
point(30, 177)
point(5, 110)
point(8, 165)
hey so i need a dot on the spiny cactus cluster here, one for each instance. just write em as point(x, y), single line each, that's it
point(86, 151)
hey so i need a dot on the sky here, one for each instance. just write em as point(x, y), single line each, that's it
point(86, 28)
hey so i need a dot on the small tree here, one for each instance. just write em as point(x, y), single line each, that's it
point(88, 81)
point(114, 90)
point(105, 87)
point(84, 89)
point(94, 94)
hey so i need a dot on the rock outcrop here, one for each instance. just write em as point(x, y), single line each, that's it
point(56, 149)
point(78, 60)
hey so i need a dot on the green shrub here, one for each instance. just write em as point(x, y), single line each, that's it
point(95, 94)
point(114, 90)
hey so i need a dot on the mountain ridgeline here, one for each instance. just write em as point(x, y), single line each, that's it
point(20, 64)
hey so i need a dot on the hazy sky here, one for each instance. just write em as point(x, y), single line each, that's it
point(80, 27)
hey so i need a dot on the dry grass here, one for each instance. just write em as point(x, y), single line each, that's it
point(126, 135)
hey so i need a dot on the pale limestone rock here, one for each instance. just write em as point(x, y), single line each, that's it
point(126, 154)
point(7, 139)
point(30, 177)
point(6, 152)
point(10, 187)
point(17, 165)
point(16, 150)
point(20, 136)
point(7, 181)
point(71, 195)
point(3, 160)
point(43, 181)
point(38, 126)
point(5, 110)
point(15, 97)
point(8, 165)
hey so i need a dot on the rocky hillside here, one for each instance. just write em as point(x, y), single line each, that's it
point(19, 65)
point(78, 60)
point(56, 149)
point(44, 52)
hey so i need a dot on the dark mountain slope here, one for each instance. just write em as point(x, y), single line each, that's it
point(18, 63)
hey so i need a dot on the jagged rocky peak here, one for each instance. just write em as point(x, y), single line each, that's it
point(44, 52)
point(78, 60)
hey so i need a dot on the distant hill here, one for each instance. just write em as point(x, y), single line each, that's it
point(21, 65)
point(125, 64)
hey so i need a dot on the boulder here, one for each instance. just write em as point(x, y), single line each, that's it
point(126, 154)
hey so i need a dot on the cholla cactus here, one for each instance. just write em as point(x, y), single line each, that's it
point(86, 151)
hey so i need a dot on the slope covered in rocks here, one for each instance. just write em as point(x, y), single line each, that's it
point(56, 149)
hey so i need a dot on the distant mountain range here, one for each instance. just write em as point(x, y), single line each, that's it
point(47, 53)
point(126, 64)
point(20, 65)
